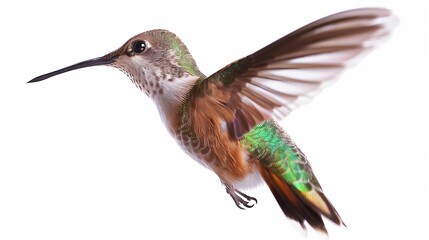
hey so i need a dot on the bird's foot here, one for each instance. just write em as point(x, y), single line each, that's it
point(241, 200)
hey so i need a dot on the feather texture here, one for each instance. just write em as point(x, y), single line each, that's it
point(289, 175)
point(282, 76)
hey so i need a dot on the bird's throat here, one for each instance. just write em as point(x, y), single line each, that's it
point(171, 98)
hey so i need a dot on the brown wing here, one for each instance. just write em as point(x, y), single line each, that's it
point(275, 80)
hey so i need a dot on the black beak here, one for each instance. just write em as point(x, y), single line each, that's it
point(105, 60)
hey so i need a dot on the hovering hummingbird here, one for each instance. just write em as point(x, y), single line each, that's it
point(226, 121)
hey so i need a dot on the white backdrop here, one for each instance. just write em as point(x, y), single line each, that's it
point(84, 155)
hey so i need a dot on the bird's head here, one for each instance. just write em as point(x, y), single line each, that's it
point(156, 61)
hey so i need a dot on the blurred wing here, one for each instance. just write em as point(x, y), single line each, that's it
point(275, 80)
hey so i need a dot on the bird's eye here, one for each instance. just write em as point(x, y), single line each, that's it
point(139, 46)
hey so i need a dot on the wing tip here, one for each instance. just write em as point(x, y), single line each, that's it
point(385, 16)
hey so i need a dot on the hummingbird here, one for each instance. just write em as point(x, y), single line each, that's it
point(228, 120)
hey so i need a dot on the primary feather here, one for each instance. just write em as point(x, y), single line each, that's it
point(282, 76)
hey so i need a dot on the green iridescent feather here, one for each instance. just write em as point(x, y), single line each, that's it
point(276, 151)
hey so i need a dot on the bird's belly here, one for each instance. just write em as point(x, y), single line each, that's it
point(229, 160)
point(252, 179)
point(197, 156)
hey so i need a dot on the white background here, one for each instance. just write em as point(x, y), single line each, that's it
point(84, 155)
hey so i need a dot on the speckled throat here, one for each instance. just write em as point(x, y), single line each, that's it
point(164, 70)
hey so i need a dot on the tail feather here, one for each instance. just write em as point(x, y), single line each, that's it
point(299, 206)
point(289, 175)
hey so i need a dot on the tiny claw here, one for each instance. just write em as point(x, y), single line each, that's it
point(247, 205)
point(238, 204)
point(240, 199)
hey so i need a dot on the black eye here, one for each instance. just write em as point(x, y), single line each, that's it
point(139, 46)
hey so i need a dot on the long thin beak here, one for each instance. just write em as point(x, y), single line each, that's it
point(108, 59)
